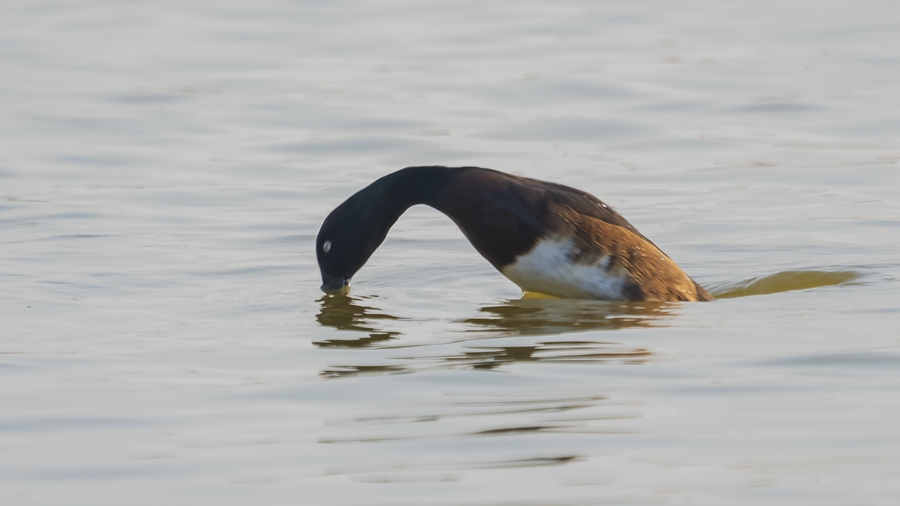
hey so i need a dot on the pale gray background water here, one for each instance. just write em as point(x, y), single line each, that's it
point(165, 166)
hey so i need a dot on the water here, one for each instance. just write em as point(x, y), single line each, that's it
point(165, 166)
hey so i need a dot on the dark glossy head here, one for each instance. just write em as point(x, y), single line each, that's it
point(350, 234)
point(355, 229)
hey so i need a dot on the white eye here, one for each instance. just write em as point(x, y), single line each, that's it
point(326, 246)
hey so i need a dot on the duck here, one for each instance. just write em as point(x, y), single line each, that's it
point(545, 237)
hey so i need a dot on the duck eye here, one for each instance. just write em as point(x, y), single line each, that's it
point(326, 246)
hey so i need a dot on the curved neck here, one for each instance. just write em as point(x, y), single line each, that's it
point(385, 200)
point(357, 227)
point(410, 186)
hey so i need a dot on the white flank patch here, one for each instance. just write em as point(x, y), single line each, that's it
point(548, 269)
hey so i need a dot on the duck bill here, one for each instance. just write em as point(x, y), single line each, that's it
point(331, 283)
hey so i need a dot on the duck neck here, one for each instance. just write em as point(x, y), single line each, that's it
point(367, 216)
point(395, 193)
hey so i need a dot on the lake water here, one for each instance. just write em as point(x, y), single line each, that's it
point(165, 166)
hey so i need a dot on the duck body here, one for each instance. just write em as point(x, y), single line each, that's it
point(544, 237)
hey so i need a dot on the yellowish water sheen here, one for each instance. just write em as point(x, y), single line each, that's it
point(786, 282)
point(165, 167)
point(537, 296)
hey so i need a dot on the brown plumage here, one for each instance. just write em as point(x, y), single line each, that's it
point(651, 275)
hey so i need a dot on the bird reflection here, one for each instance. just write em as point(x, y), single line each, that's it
point(342, 312)
point(558, 316)
point(520, 317)
point(588, 351)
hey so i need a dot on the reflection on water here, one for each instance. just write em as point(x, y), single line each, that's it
point(344, 313)
point(785, 281)
point(490, 357)
point(530, 316)
point(513, 318)
point(527, 316)
point(533, 316)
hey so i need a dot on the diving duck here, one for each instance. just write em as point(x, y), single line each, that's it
point(544, 237)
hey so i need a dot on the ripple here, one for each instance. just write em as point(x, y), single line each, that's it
point(487, 416)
